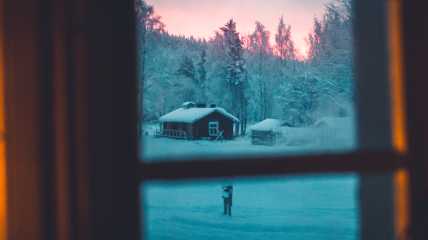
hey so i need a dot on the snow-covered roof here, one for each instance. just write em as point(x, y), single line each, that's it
point(268, 124)
point(191, 115)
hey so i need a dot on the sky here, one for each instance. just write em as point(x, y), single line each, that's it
point(200, 18)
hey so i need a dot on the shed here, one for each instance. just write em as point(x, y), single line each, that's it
point(266, 132)
point(190, 122)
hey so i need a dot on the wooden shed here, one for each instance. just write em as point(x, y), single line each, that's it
point(266, 132)
point(198, 122)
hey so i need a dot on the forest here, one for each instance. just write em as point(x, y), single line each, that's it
point(248, 75)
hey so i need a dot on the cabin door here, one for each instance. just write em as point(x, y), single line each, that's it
point(213, 128)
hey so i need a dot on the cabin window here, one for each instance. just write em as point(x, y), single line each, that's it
point(213, 129)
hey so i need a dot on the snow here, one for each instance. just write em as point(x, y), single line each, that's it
point(298, 208)
point(267, 125)
point(166, 149)
point(188, 104)
point(334, 122)
point(336, 136)
point(292, 207)
point(190, 115)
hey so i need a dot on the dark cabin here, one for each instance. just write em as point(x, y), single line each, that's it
point(196, 121)
point(266, 132)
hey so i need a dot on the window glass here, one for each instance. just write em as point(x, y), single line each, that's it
point(276, 76)
point(214, 130)
point(300, 207)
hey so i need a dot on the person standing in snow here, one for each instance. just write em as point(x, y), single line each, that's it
point(227, 199)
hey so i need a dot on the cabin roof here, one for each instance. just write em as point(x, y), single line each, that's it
point(191, 115)
point(268, 124)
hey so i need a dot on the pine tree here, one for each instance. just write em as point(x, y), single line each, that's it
point(235, 72)
point(202, 75)
point(187, 69)
point(234, 54)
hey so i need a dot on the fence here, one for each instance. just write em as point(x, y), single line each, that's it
point(172, 133)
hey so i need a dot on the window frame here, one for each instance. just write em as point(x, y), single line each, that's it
point(213, 125)
point(377, 159)
point(93, 145)
point(69, 121)
point(374, 118)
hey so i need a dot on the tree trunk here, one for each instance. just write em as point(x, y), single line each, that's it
point(141, 76)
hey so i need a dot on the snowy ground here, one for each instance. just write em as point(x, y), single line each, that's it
point(327, 135)
point(300, 208)
point(291, 208)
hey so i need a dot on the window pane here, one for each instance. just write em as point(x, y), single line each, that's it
point(227, 77)
point(310, 207)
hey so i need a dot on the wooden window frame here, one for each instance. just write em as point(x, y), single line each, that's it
point(72, 165)
point(210, 128)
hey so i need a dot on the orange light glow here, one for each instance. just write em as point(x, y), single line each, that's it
point(3, 197)
point(398, 113)
point(396, 75)
point(401, 181)
point(3, 226)
point(2, 191)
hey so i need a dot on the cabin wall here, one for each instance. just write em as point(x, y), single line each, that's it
point(199, 129)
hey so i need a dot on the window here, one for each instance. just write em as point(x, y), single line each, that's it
point(279, 77)
point(73, 172)
point(213, 129)
point(376, 130)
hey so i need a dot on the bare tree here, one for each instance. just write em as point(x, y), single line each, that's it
point(260, 47)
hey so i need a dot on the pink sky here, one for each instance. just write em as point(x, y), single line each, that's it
point(200, 18)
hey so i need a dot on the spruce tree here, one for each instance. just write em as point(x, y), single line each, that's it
point(187, 69)
point(202, 75)
point(235, 72)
